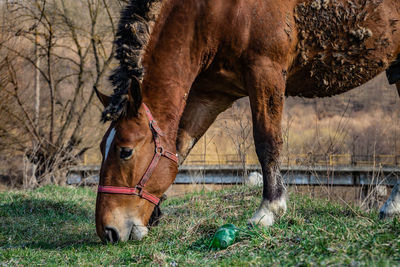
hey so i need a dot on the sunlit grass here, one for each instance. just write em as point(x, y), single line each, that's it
point(55, 226)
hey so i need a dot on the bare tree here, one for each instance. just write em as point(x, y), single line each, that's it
point(73, 41)
point(239, 130)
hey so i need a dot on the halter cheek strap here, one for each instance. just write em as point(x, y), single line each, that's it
point(139, 190)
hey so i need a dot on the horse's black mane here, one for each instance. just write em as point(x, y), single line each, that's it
point(132, 37)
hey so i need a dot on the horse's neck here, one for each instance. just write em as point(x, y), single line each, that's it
point(171, 66)
point(166, 102)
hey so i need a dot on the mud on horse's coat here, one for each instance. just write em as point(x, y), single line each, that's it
point(189, 60)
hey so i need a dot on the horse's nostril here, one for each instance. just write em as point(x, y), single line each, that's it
point(111, 234)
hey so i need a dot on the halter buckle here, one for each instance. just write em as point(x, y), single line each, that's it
point(139, 189)
point(159, 150)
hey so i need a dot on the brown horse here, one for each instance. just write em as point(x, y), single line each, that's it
point(189, 60)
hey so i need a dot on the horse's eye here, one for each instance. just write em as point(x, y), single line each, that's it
point(126, 153)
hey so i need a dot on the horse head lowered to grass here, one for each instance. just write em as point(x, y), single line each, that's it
point(182, 62)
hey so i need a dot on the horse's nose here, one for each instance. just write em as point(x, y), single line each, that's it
point(111, 234)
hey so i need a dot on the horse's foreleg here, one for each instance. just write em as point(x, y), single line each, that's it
point(266, 85)
point(398, 87)
point(200, 112)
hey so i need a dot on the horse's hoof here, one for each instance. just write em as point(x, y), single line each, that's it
point(265, 215)
point(263, 218)
point(382, 215)
point(385, 214)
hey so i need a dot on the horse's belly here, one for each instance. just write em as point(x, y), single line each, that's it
point(302, 83)
point(341, 46)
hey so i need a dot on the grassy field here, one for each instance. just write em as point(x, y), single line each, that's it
point(55, 226)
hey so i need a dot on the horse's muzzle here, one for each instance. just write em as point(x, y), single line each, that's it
point(132, 230)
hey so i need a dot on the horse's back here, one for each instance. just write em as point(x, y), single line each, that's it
point(324, 47)
point(349, 44)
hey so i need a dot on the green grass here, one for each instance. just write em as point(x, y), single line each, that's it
point(55, 226)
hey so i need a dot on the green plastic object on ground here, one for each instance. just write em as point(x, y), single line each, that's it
point(225, 236)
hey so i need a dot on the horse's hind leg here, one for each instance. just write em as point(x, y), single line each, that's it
point(392, 204)
point(266, 85)
point(201, 110)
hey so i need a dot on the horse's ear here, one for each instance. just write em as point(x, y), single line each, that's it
point(104, 99)
point(135, 95)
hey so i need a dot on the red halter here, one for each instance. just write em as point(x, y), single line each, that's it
point(138, 190)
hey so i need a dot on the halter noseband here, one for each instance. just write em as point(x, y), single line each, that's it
point(138, 190)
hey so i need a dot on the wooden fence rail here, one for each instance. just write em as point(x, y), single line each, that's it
point(300, 159)
point(295, 175)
